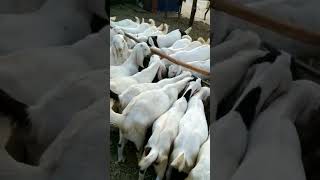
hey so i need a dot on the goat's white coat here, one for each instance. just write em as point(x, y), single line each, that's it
point(229, 144)
point(119, 51)
point(130, 66)
point(140, 113)
point(164, 131)
point(119, 85)
point(238, 40)
point(202, 169)
point(55, 109)
point(27, 75)
point(167, 40)
point(126, 96)
point(193, 132)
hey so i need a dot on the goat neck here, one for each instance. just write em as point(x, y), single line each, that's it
point(235, 68)
point(203, 94)
point(148, 74)
point(174, 89)
point(167, 81)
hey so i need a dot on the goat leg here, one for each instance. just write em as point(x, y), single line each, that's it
point(122, 142)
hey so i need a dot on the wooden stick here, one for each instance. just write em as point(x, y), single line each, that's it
point(173, 60)
point(254, 17)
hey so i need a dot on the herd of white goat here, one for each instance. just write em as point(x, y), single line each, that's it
point(162, 96)
point(266, 119)
point(53, 80)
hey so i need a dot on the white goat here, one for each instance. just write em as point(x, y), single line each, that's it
point(126, 23)
point(53, 111)
point(114, 31)
point(134, 90)
point(273, 126)
point(119, 85)
point(201, 53)
point(141, 113)
point(130, 66)
point(17, 71)
point(167, 40)
point(165, 130)
point(119, 51)
point(238, 40)
point(131, 43)
point(202, 169)
point(272, 82)
point(179, 45)
point(229, 148)
point(78, 148)
point(192, 128)
point(141, 28)
point(235, 68)
point(152, 31)
point(175, 70)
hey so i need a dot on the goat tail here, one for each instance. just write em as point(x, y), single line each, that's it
point(165, 29)
point(200, 39)
point(179, 162)
point(187, 31)
point(146, 161)
point(137, 20)
point(152, 22)
point(116, 119)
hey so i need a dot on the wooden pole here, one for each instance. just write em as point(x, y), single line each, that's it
point(286, 29)
point(193, 12)
point(171, 59)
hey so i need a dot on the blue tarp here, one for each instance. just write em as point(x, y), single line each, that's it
point(173, 5)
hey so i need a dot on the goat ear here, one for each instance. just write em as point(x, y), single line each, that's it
point(150, 41)
point(247, 106)
point(98, 7)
